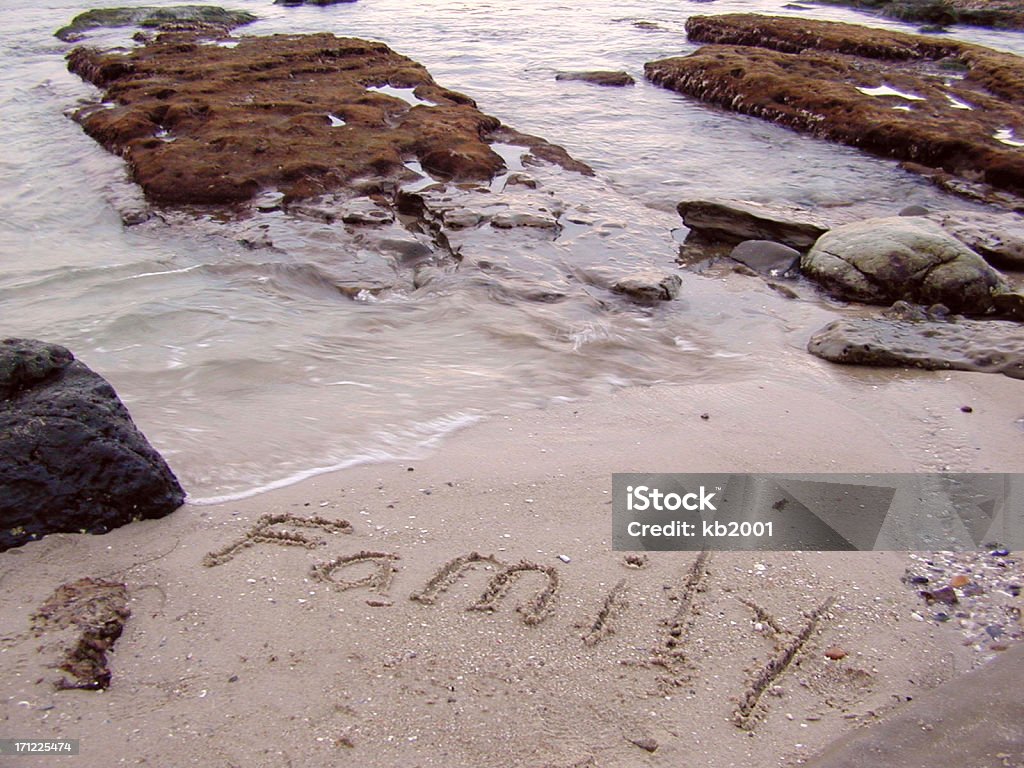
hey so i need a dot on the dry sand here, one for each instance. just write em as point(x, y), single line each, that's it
point(254, 661)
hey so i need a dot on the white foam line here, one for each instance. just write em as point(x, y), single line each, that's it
point(181, 271)
point(453, 425)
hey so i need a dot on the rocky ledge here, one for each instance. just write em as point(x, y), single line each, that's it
point(1006, 14)
point(931, 339)
point(948, 109)
point(212, 121)
point(206, 17)
point(71, 460)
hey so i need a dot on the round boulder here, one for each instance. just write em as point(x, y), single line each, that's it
point(880, 261)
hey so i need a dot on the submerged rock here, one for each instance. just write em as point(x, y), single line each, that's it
point(616, 78)
point(70, 457)
point(301, 114)
point(649, 286)
point(924, 340)
point(733, 221)
point(943, 106)
point(910, 258)
point(147, 16)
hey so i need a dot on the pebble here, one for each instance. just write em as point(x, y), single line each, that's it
point(835, 653)
point(645, 743)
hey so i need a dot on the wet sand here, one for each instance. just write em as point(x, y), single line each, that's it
point(280, 655)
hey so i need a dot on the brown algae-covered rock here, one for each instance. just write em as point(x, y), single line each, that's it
point(213, 122)
point(937, 104)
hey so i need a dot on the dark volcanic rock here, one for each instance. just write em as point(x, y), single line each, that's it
point(903, 258)
point(765, 256)
point(201, 15)
point(598, 77)
point(925, 341)
point(1008, 14)
point(303, 114)
point(942, 106)
point(733, 221)
point(70, 457)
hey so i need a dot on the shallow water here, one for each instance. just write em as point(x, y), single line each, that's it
point(247, 368)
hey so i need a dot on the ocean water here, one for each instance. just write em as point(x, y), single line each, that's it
point(248, 371)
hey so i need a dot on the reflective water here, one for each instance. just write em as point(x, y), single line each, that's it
point(244, 364)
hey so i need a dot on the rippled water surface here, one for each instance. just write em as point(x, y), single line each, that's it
point(246, 369)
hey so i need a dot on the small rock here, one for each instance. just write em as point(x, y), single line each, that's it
point(765, 256)
point(617, 78)
point(645, 743)
point(944, 595)
point(649, 286)
point(966, 409)
point(959, 580)
point(705, 416)
point(914, 210)
point(835, 653)
point(565, 558)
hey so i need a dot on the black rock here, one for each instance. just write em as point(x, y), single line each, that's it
point(766, 256)
point(70, 457)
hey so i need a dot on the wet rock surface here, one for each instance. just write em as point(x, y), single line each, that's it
point(1008, 14)
point(946, 108)
point(599, 77)
point(912, 337)
point(733, 221)
point(202, 123)
point(902, 258)
point(998, 237)
point(80, 622)
point(649, 286)
point(70, 457)
point(766, 257)
point(208, 17)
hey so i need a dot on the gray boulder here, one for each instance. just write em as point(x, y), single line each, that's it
point(911, 258)
point(70, 457)
point(733, 221)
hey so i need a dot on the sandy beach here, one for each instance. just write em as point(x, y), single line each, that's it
point(273, 654)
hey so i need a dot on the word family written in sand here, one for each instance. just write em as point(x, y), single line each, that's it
point(670, 658)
